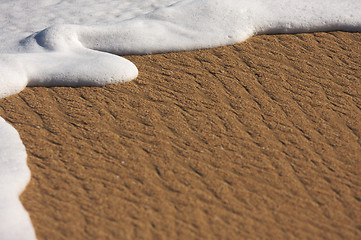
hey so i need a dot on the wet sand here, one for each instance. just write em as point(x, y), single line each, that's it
point(259, 140)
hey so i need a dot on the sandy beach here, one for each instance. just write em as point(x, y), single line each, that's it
point(259, 140)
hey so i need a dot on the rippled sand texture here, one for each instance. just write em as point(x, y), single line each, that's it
point(256, 140)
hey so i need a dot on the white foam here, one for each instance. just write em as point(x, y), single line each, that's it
point(64, 43)
point(131, 28)
point(14, 175)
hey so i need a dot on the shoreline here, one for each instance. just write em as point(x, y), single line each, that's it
point(259, 140)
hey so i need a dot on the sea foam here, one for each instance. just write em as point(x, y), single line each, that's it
point(71, 43)
point(14, 175)
point(183, 25)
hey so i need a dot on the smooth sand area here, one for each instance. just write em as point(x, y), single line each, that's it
point(259, 140)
